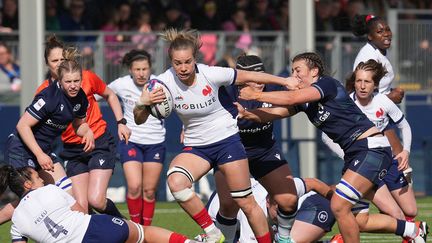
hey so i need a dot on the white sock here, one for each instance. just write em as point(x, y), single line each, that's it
point(209, 229)
point(285, 222)
point(410, 230)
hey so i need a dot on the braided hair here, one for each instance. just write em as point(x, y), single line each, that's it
point(313, 60)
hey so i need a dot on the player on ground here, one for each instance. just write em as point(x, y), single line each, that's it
point(62, 219)
point(143, 156)
point(210, 132)
point(329, 108)
point(89, 172)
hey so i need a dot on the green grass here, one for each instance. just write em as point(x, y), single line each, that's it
point(172, 217)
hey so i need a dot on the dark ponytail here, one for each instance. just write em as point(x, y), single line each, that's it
point(14, 178)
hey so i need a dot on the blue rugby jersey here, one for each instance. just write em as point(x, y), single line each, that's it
point(254, 134)
point(55, 111)
point(335, 113)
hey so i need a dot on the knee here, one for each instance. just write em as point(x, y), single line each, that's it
point(179, 178)
point(339, 207)
point(247, 204)
point(97, 201)
point(134, 190)
point(410, 211)
point(149, 193)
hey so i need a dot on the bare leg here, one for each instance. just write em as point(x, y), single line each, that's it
point(80, 185)
point(313, 234)
point(237, 177)
point(342, 208)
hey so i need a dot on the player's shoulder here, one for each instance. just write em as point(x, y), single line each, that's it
point(121, 81)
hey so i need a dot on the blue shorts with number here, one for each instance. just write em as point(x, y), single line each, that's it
point(103, 156)
point(18, 155)
point(394, 179)
point(142, 152)
point(107, 229)
point(316, 210)
point(225, 151)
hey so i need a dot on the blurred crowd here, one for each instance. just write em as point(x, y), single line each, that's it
point(145, 17)
point(227, 15)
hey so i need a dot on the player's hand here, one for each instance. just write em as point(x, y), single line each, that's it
point(144, 99)
point(292, 83)
point(241, 110)
point(45, 162)
point(402, 158)
point(248, 93)
point(88, 141)
point(124, 132)
point(157, 96)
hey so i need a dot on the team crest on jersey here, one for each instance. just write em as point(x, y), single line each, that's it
point(178, 98)
point(77, 107)
point(39, 104)
point(207, 90)
point(31, 163)
point(322, 216)
point(379, 113)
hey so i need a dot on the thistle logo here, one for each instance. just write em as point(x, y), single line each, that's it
point(207, 90)
point(379, 113)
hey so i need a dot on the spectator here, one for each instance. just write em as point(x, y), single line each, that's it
point(10, 14)
point(9, 71)
point(145, 39)
point(208, 18)
point(282, 17)
point(176, 18)
point(263, 17)
point(74, 20)
point(52, 22)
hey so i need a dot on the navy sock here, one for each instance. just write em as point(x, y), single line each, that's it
point(400, 228)
point(111, 209)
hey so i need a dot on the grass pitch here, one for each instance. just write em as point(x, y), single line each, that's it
point(170, 216)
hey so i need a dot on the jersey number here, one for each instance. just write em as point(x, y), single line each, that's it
point(54, 229)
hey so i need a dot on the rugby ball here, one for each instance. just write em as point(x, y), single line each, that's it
point(161, 110)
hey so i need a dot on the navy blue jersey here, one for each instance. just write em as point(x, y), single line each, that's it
point(254, 134)
point(335, 113)
point(55, 111)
